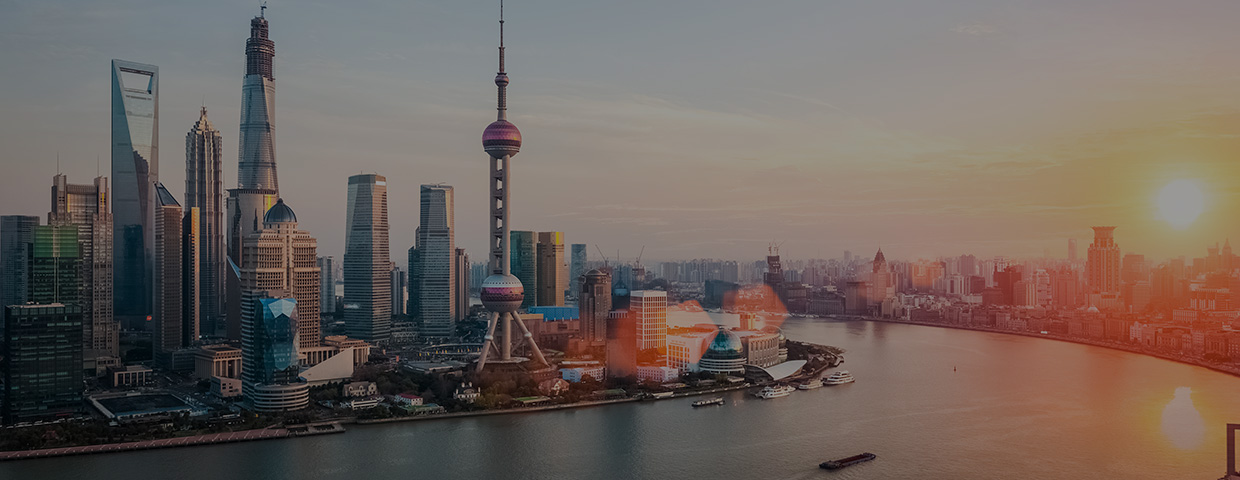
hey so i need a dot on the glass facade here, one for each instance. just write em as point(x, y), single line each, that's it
point(135, 169)
point(55, 266)
point(44, 373)
point(269, 345)
point(523, 258)
point(367, 264)
point(436, 252)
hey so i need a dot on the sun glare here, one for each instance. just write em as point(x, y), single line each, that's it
point(1181, 202)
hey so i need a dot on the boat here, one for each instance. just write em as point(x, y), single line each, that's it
point(810, 385)
point(847, 462)
point(713, 401)
point(775, 391)
point(839, 378)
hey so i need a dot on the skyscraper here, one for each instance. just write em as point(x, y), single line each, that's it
point(552, 271)
point(397, 278)
point(16, 237)
point(327, 286)
point(86, 207)
point(279, 257)
point(43, 375)
point(436, 262)
point(502, 293)
point(1103, 262)
point(135, 170)
point(524, 260)
point(413, 304)
point(594, 305)
point(367, 286)
point(169, 281)
point(191, 276)
point(55, 265)
point(461, 290)
point(269, 345)
point(1072, 250)
point(649, 310)
point(576, 268)
point(204, 190)
point(257, 189)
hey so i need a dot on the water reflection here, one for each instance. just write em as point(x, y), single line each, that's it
point(1181, 422)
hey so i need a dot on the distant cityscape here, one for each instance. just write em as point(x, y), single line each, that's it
point(213, 311)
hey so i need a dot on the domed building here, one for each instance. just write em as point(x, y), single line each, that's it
point(724, 354)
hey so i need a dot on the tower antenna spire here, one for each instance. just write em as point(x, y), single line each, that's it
point(262, 10)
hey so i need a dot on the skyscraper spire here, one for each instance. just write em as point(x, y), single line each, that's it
point(501, 78)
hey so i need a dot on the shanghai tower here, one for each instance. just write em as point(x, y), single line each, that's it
point(257, 189)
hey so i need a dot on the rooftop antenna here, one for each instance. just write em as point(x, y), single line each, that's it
point(58, 162)
point(262, 10)
point(97, 171)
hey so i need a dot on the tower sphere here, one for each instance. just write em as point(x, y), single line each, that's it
point(501, 138)
point(501, 80)
point(502, 293)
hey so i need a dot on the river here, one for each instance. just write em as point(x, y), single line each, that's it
point(931, 402)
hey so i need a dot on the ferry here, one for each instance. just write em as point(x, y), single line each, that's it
point(713, 401)
point(775, 391)
point(810, 385)
point(847, 462)
point(839, 378)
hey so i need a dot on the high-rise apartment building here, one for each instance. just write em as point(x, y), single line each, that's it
point(191, 277)
point(461, 290)
point(436, 262)
point(1103, 262)
point(327, 286)
point(524, 260)
point(279, 257)
point(135, 170)
point(594, 305)
point(649, 311)
point(552, 270)
point(16, 237)
point(367, 266)
point(397, 278)
point(169, 333)
point(576, 268)
point(204, 190)
point(43, 374)
point(87, 208)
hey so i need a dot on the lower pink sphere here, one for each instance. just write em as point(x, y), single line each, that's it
point(502, 293)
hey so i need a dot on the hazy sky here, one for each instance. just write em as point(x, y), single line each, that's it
point(699, 128)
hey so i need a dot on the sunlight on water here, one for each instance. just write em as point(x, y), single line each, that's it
point(1181, 422)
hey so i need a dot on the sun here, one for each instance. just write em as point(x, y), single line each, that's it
point(1181, 202)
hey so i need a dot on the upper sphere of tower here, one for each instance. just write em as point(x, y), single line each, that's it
point(501, 80)
point(501, 138)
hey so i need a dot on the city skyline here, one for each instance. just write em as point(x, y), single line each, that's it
point(1006, 169)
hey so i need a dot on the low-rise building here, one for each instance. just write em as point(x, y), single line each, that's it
point(407, 399)
point(578, 374)
point(657, 374)
point(129, 376)
point(360, 389)
point(217, 361)
point(224, 387)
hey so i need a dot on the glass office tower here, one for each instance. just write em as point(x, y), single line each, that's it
point(135, 169)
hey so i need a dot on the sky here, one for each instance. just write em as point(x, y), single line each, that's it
point(695, 128)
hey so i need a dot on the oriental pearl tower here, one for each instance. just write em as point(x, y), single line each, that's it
point(502, 292)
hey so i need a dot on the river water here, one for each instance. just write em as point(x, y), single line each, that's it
point(932, 403)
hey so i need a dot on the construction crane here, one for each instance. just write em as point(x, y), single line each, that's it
point(639, 256)
point(601, 254)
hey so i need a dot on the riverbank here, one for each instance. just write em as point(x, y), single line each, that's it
point(547, 408)
point(209, 439)
point(1230, 370)
point(328, 426)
